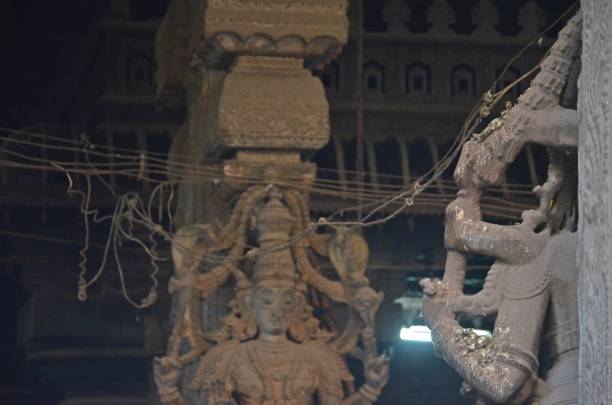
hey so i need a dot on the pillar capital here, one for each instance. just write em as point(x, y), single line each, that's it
point(312, 30)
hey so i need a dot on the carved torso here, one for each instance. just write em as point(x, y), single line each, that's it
point(258, 372)
point(549, 287)
point(561, 330)
point(561, 336)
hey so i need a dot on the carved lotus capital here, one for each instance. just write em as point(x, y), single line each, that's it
point(314, 30)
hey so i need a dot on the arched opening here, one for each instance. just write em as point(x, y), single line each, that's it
point(417, 79)
point(463, 81)
point(139, 74)
point(373, 78)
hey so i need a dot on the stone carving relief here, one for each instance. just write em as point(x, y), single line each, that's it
point(441, 15)
point(531, 287)
point(311, 30)
point(272, 103)
point(396, 14)
point(271, 348)
point(486, 16)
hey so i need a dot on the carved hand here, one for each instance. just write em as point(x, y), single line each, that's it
point(435, 302)
point(459, 212)
point(377, 372)
point(166, 370)
point(167, 373)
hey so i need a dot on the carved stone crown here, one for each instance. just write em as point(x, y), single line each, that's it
point(275, 262)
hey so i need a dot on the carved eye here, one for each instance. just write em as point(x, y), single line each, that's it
point(288, 299)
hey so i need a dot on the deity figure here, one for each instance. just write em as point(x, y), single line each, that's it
point(272, 349)
point(532, 357)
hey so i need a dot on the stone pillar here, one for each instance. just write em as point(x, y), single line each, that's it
point(241, 68)
point(595, 202)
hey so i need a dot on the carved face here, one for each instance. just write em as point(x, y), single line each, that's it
point(274, 308)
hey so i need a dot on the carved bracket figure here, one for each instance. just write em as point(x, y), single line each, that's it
point(271, 348)
point(531, 287)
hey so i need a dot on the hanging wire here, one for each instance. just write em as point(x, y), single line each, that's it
point(130, 210)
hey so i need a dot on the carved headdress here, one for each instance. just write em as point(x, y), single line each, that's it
point(283, 253)
point(274, 264)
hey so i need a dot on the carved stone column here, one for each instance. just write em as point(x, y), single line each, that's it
point(242, 69)
point(238, 66)
point(595, 208)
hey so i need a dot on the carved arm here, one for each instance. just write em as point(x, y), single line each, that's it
point(486, 301)
point(556, 126)
point(511, 244)
point(503, 369)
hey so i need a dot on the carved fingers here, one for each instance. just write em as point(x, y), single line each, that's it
point(433, 287)
point(435, 302)
point(166, 374)
point(476, 305)
point(377, 372)
point(166, 368)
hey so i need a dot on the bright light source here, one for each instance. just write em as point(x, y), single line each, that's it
point(416, 333)
point(420, 333)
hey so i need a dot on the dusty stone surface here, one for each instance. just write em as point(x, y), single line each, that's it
point(531, 288)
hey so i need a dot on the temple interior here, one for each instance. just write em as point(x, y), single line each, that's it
point(305, 202)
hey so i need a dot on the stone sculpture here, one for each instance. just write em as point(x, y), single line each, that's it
point(242, 66)
point(531, 287)
point(271, 349)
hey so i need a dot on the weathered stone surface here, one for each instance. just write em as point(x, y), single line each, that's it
point(272, 103)
point(532, 356)
point(595, 196)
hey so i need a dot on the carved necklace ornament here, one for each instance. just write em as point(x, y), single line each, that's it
point(531, 287)
point(271, 349)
